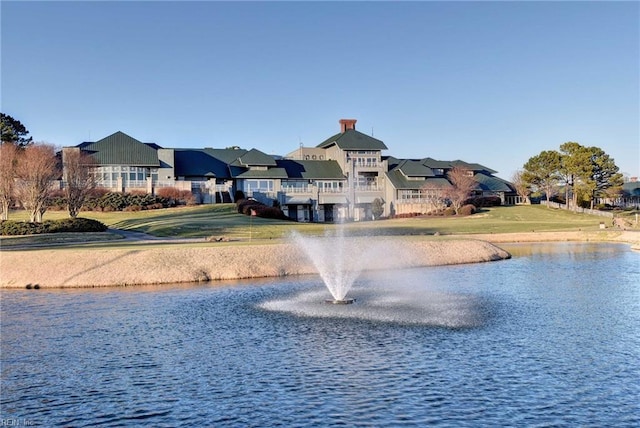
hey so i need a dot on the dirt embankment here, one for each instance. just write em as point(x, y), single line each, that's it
point(66, 267)
point(631, 237)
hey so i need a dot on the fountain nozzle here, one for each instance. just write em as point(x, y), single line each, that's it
point(340, 301)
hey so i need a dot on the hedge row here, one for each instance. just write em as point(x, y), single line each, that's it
point(246, 206)
point(117, 201)
point(484, 201)
point(15, 228)
point(464, 210)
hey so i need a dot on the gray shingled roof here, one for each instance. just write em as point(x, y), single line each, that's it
point(121, 149)
point(489, 183)
point(475, 167)
point(353, 140)
point(412, 168)
point(226, 155)
point(400, 181)
point(436, 164)
point(199, 163)
point(254, 157)
point(270, 173)
point(312, 170)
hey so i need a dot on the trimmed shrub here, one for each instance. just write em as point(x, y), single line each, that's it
point(405, 215)
point(15, 228)
point(271, 212)
point(467, 209)
point(173, 196)
point(238, 196)
point(484, 201)
point(77, 224)
point(57, 201)
point(245, 206)
point(449, 211)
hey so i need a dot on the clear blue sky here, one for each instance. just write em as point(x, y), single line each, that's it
point(487, 82)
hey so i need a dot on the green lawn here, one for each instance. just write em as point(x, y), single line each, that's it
point(223, 220)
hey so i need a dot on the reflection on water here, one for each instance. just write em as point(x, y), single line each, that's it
point(550, 337)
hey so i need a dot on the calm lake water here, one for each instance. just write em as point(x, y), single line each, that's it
point(548, 338)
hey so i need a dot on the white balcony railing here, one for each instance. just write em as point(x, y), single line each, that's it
point(298, 189)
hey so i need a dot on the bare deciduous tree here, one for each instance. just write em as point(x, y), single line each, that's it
point(433, 196)
point(79, 179)
point(523, 188)
point(462, 184)
point(36, 171)
point(8, 162)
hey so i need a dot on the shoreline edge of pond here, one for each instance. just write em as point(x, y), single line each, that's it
point(170, 264)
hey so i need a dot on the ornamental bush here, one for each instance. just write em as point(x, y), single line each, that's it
point(484, 201)
point(173, 196)
point(15, 228)
point(245, 206)
point(467, 209)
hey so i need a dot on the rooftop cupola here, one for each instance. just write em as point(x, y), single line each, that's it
point(346, 124)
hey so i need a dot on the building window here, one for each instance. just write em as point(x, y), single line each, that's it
point(259, 185)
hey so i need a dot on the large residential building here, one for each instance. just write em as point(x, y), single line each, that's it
point(336, 180)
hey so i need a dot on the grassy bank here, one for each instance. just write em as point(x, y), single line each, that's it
point(223, 220)
point(102, 259)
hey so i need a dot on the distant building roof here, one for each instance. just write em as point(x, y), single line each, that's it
point(353, 140)
point(270, 173)
point(201, 163)
point(475, 167)
point(226, 155)
point(400, 181)
point(436, 164)
point(121, 149)
point(413, 168)
point(631, 188)
point(254, 157)
point(492, 184)
point(312, 169)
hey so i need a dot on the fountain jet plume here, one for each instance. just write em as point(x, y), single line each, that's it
point(338, 260)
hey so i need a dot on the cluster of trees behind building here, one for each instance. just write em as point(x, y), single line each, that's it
point(574, 174)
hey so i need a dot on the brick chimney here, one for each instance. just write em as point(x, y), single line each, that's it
point(346, 124)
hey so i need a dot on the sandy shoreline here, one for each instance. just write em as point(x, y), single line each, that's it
point(608, 235)
point(169, 264)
